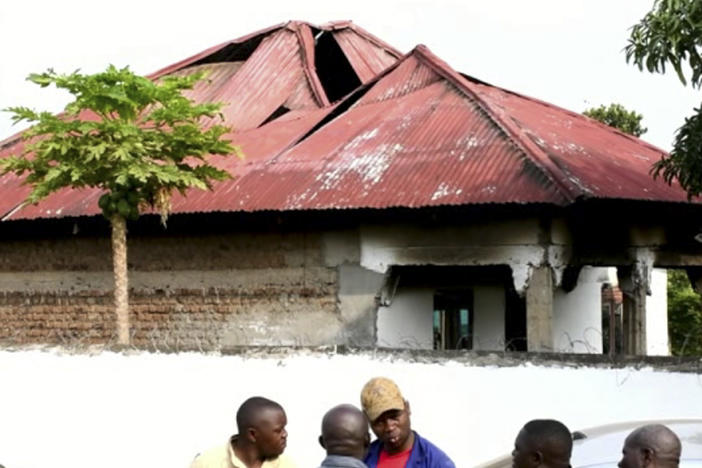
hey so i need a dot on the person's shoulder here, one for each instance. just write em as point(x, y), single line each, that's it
point(373, 451)
point(438, 457)
point(213, 457)
point(284, 461)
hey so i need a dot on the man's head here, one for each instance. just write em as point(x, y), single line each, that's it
point(653, 445)
point(345, 432)
point(388, 413)
point(261, 423)
point(542, 442)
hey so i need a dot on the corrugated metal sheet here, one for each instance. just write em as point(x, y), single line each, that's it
point(367, 58)
point(596, 160)
point(421, 135)
point(211, 50)
point(409, 76)
point(258, 88)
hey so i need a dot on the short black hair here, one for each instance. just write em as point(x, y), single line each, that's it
point(248, 412)
point(550, 436)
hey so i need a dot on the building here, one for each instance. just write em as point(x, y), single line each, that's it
point(384, 200)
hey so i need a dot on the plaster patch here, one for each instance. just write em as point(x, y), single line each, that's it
point(520, 276)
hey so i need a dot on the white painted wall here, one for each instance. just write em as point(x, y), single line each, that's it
point(657, 315)
point(489, 318)
point(142, 410)
point(408, 321)
point(577, 315)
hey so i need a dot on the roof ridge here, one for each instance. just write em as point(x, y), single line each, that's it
point(211, 50)
point(566, 110)
point(374, 39)
point(305, 39)
point(535, 154)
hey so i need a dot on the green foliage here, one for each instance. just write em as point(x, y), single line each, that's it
point(136, 139)
point(685, 160)
point(684, 316)
point(617, 116)
point(671, 33)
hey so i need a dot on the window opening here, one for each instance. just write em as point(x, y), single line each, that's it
point(515, 320)
point(611, 320)
point(453, 320)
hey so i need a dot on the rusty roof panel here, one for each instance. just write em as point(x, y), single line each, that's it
point(307, 43)
point(217, 76)
point(212, 50)
point(410, 75)
point(420, 135)
point(64, 203)
point(367, 58)
point(259, 147)
point(302, 96)
point(259, 88)
point(430, 147)
point(13, 194)
point(599, 160)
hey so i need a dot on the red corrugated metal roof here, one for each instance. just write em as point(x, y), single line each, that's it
point(595, 160)
point(420, 135)
point(367, 59)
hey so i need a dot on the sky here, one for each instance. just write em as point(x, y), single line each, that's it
point(566, 52)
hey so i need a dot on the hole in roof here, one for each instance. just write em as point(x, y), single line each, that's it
point(333, 68)
point(282, 110)
point(238, 52)
point(340, 109)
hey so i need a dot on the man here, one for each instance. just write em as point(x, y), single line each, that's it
point(397, 446)
point(652, 446)
point(543, 443)
point(345, 437)
point(260, 442)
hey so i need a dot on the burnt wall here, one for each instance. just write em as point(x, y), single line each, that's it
point(201, 293)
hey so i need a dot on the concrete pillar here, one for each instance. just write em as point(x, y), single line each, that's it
point(539, 310)
point(634, 286)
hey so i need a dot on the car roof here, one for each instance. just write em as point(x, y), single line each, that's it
point(604, 443)
point(601, 446)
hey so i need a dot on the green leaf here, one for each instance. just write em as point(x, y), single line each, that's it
point(139, 138)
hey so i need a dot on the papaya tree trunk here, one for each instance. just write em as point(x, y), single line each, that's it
point(119, 268)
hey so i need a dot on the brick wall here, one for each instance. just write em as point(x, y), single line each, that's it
point(185, 293)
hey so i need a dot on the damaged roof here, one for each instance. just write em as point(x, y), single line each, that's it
point(331, 117)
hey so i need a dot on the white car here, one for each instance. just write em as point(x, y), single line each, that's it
point(601, 446)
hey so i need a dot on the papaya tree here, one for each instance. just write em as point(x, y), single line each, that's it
point(135, 139)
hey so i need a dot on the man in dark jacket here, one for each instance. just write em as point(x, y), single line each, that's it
point(397, 446)
point(345, 437)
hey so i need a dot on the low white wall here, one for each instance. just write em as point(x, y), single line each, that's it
point(150, 410)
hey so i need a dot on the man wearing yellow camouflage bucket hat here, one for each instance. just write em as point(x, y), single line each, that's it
point(397, 445)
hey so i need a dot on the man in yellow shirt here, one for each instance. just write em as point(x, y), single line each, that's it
point(260, 442)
